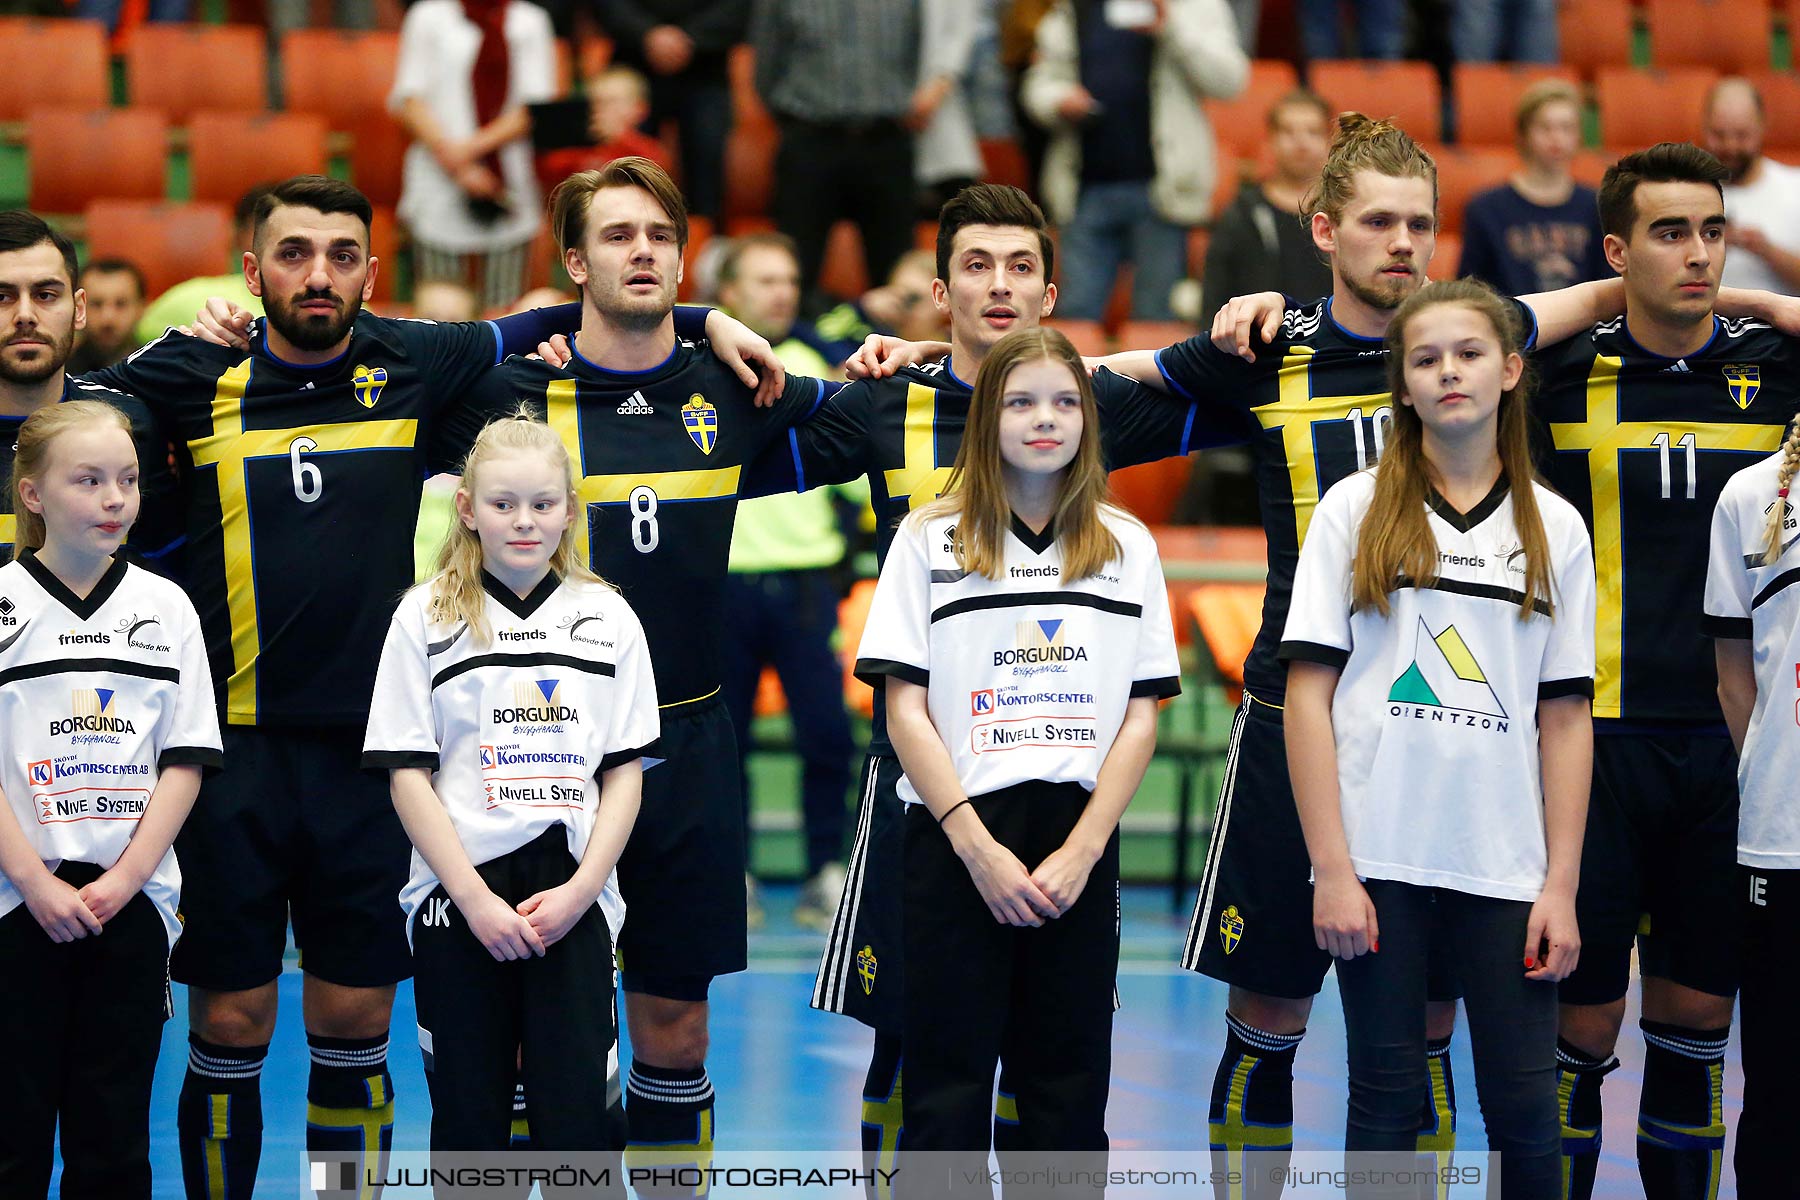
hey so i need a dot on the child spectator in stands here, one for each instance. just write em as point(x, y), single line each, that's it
point(1540, 230)
point(618, 102)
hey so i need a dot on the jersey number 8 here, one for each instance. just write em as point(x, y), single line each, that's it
point(644, 531)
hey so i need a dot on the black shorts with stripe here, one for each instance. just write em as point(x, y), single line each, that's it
point(1252, 925)
point(292, 827)
point(859, 975)
point(682, 872)
point(1659, 865)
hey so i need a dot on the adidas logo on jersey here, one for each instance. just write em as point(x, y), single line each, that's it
point(635, 405)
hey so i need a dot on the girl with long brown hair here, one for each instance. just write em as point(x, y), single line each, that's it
point(512, 708)
point(1441, 657)
point(1021, 630)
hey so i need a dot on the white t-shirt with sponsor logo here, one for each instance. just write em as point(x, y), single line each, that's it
point(1435, 713)
point(1760, 604)
point(517, 731)
point(96, 697)
point(1027, 676)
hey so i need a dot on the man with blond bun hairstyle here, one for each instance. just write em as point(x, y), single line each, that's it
point(1537, 231)
point(660, 431)
point(1762, 196)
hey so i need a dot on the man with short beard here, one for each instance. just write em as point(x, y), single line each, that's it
point(115, 302)
point(1762, 196)
point(301, 459)
point(41, 310)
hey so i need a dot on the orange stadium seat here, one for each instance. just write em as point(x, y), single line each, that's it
point(1228, 616)
point(1486, 94)
point(750, 170)
point(1641, 108)
point(1089, 337)
point(1731, 37)
point(1406, 91)
point(384, 244)
point(169, 242)
point(183, 68)
point(377, 157)
point(1151, 489)
point(853, 615)
point(1594, 34)
point(1781, 101)
point(1003, 161)
point(228, 152)
point(1238, 123)
point(1447, 258)
point(1154, 335)
point(746, 104)
point(51, 63)
point(339, 74)
point(1465, 172)
point(700, 232)
point(76, 155)
point(843, 274)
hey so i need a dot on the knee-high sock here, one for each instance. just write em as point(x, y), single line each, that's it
point(1578, 1077)
point(669, 1112)
point(881, 1120)
point(1681, 1116)
point(350, 1101)
point(1252, 1107)
point(1437, 1124)
point(1006, 1114)
point(218, 1119)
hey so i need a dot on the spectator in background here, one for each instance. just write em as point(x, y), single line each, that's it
point(1380, 28)
point(107, 12)
point(683, 46)
point(842, 80)
point(448, 303)
point(1762, 196)
point(782, 596)
point(178, 305)
point(115, 304)
point(1540, 230)
point(466, 71)
point(902, 306)
point(1519, 31)
point(1260, 243)
point(1131, 162)
point(618, 103)
point(946, 157)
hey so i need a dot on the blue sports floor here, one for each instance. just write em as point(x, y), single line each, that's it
point(789, 1078)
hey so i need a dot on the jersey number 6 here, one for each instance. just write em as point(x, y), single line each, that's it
point(309, 481)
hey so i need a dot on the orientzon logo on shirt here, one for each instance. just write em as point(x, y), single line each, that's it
point(539, 702)
point(1445, 684)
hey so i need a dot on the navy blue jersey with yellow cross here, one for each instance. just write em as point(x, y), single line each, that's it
point(904, 432)
point(1642, 445)
point(661, 455)
point(300, 491)
point(1315, 409)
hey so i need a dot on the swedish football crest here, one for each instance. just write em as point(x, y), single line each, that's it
point(702, 421)
point(865, 968)
point(369, 382)
point(1744, 380)
point(1231, 928)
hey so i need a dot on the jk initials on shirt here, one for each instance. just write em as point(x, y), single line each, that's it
point(436, 914)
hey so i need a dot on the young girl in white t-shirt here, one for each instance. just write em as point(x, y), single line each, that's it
point(1441, 661)
point(107, 717)
point(1021, 629)
point(1753, 614)
point(513, 706)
